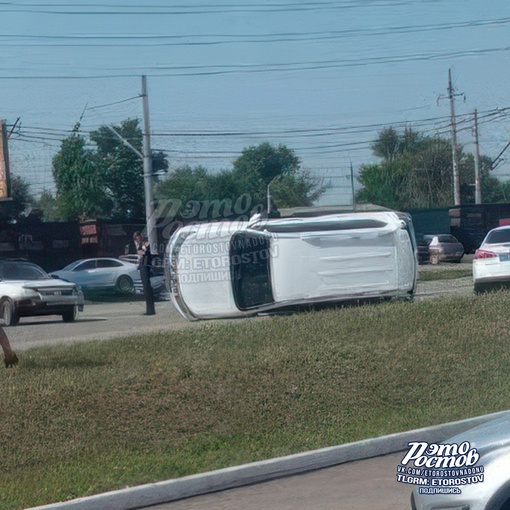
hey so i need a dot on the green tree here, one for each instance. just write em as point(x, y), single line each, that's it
point(21, 200)
point(297, 189)
point(264, 165)
point(48, 207)
point(252, 172)
point(80, 190)
point(493, 190)
point(121, 168)
point(416, 172)
point(267, 162)
point(187, 184)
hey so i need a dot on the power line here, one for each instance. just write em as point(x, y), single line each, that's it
point(52, 134)
point(180, 10)
point(162, 71)
point(221, 39)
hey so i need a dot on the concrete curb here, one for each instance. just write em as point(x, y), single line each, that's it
point(257, 472)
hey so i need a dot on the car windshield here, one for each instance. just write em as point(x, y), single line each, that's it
point(22, 271)
point(498, 237)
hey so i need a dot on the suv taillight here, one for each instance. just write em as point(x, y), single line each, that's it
point(484, 254)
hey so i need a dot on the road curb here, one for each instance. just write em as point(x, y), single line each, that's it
point(248, 474)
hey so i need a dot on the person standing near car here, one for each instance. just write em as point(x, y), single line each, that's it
point(10, 358)
point(145, 267)
point(136, 246)
point(140, 247)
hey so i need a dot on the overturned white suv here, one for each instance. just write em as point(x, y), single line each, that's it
point(234, 269)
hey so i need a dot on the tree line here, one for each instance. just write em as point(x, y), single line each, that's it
point(101, 176)
point(415, 171)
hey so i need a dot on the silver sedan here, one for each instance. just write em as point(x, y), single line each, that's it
point(102, 274)
point(460, 482)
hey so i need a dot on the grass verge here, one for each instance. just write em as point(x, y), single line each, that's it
point(444, 274)
point(86, 418)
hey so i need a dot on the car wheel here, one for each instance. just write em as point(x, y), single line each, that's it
point(481, 288)
point(8, 312)
point(70, 315)
point(124, 285)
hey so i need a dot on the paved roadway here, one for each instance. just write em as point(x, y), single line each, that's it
point(358, 485)
point(99, 321)
point(107, 319)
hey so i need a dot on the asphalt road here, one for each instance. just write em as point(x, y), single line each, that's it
point(358, 485)
point(98, 321)
point(107, 319)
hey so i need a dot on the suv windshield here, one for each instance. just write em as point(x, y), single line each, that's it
point(250, 270)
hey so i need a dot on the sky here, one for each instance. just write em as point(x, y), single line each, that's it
point(321, 77)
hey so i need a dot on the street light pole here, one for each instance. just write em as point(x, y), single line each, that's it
point(269, 193)
point(455, 164)
point(478, 186)
point(148, 173)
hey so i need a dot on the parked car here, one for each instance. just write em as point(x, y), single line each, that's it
point(444, 248)
point(481, 486)
point(491, 265)
point(26, 290)
point(423, 250)
point(111, 275)
point(102, 274)
point(233, 269)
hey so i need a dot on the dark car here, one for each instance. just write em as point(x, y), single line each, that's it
point(444, 248)
point(423, 250)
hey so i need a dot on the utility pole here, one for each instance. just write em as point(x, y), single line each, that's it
point(455, 164)
point(478, 188)
point(152, 235)
point(147, 173)
point(352, 190)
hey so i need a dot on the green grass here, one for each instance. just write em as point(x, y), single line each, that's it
point(91, 417)
point(444, 274)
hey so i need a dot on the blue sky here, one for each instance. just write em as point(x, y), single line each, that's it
point(322, 77)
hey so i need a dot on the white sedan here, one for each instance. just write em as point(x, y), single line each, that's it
point(102, 274)
point(491, 264)
point(26, 290)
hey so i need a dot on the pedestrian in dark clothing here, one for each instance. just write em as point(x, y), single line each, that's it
point(135, 246)
point(145, 267)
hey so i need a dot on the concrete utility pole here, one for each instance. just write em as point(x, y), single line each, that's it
point(455, 164)
point(352, 190)
point(478, 188)
point(147, 173)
